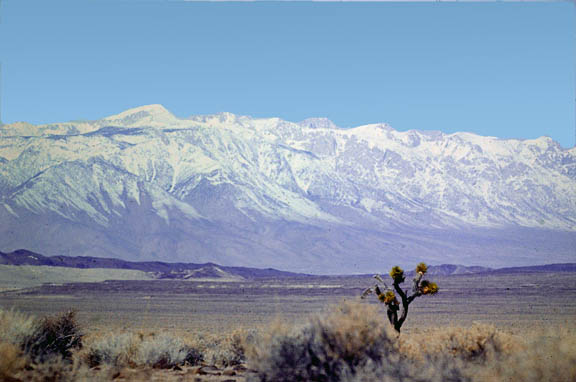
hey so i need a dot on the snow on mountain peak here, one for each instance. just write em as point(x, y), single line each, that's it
point(144, 115)
point(318, 123)
point(18, 129)
point(236, 187)
point(223, 118)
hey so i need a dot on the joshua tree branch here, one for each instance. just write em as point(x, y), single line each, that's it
point(417, 280)
point(379, 278)
point(416, 288)
point(413, 297)
point(399, 290)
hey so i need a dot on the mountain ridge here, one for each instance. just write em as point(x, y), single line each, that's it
point(146, 185)
point(183, 271)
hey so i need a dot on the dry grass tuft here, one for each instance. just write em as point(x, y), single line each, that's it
point(11, 361)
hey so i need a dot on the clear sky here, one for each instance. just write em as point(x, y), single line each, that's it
point(501, 69)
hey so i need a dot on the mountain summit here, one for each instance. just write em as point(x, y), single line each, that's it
point(143, 116)
point(308, 196)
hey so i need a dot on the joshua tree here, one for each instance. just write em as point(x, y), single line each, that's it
point(387, 295)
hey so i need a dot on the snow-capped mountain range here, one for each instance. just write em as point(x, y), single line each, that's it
point(307, 196)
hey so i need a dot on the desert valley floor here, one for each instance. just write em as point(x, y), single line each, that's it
point(511, 301)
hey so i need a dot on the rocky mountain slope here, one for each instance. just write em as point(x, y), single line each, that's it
point(306, 197)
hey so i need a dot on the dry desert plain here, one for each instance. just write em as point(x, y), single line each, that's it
point(521, 305)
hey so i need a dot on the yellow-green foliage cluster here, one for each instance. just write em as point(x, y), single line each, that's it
point(421, 268)
point(387, 298)
point(397, 274)
point(428, 287)
point(390, 297)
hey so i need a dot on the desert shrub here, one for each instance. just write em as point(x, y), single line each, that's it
point(129, 349)
point(41, 339)
point(414, 373)
point(52, 369)
point(17, 328)
point(116, 350)
point(222, 357)
point(165, 351)
point(11, 361)
point(542, 358)
point(54, 336)
point(478, 343)
point(57, 369)
point(333, 347)
point(229, 350)
point(193, 356)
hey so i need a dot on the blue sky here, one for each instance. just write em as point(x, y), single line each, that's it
point(501, 69)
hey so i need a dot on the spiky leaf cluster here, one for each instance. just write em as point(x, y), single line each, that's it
point(428, 287)
point(421, 268)
point(390, 297)
point(397, 274)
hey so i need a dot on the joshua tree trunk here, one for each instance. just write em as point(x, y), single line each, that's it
point(398, 322)
point(405, 300)
point(393, 316)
